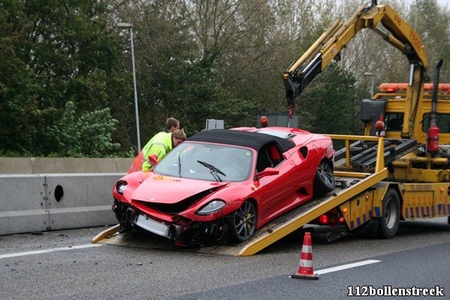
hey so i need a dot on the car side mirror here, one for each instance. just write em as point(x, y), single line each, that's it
point(267, 172)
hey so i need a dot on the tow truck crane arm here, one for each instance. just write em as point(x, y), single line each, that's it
point(330, 44)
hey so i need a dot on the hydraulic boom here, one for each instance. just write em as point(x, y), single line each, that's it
point(328, 47)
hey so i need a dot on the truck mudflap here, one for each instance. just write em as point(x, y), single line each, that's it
point(331, 236)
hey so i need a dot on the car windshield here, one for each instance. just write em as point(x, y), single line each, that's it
point(206, 161)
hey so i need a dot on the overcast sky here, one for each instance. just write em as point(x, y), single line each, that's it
point(441, 2)
point(444, 2)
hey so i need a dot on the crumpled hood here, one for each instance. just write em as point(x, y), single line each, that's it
point(170, 190)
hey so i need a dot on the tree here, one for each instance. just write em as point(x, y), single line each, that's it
point(55, 52)
point(186, 62)
point(332, 104)
point(195, 60)
point(433, 24)
point(85, 135)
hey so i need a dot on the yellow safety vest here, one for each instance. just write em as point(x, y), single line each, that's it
point(159, 145)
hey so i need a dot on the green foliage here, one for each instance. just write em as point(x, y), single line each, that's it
point(53, 52)
point(87, 135)
point(331, 102)
point(66, 74)
point(433, 24)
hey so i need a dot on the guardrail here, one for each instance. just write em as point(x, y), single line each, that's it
point(41, 194)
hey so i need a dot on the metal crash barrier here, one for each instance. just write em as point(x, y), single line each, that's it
point(33, 203)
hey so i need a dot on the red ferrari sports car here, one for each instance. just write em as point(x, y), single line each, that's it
point(220, 185)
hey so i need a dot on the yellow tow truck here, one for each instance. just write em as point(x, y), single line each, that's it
point(399, 169)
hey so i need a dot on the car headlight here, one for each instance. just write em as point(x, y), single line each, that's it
point(121, 187)
point(211, 207)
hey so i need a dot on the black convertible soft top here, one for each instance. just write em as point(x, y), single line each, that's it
point(253, 140)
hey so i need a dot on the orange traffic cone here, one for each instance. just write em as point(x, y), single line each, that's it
point(305, 270)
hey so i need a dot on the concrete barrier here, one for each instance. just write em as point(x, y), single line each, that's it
point(23, 208)
point(55, 201)
point(39, 194)
point(50, 165)
point(80, 200)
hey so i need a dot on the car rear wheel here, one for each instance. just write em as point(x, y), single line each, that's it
point(242, 224)
point(324, 181)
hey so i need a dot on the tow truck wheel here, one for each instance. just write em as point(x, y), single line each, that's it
point(388, 223)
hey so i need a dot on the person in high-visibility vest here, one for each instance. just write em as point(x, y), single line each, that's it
point(172, 124)
point(158, 146)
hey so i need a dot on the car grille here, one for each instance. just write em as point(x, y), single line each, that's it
point(176, 207)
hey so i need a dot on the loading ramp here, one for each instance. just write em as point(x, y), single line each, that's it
point(350, 181)
point(306, 213)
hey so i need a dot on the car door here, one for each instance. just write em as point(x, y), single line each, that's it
point(276, 192)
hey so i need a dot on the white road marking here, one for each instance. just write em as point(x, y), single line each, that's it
point(49, 250)
point(348, 266)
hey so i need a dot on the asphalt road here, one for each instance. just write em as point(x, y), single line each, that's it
point(64, 265)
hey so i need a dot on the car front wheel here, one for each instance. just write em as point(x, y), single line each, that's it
point(324, 181)
point(242, 224)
